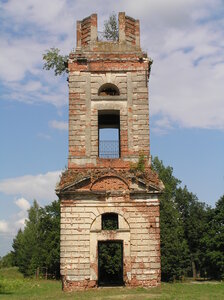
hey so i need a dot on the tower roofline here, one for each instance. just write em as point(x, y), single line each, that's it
point(89, 39)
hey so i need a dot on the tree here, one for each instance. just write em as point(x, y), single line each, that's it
point(194, 217)
point(110, 31)
point(7, 261)
point(213, 241)
point(26, 243)
point(17, 246)
point(53, 60)
point(180, 209)
point(49, 229)
point(175, 258)
point(38, 245)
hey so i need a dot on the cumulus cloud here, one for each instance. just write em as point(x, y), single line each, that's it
point(40, 187)
point(162, 125)
point(19, 56)
point(26, 33)
point(4, 227)
point(22, 203)
point(9, 228)
point(187, 84)
point(38, 90)
point(59, 125)
point(26, 189)
point(49, 15)
point(15, 221)
point(20, 223)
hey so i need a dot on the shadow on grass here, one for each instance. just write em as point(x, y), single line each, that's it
point(6, 293)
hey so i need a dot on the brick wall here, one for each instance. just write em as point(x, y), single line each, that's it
point(84, 104)
point(129, 30)
point(86, 31)
point(138, 228)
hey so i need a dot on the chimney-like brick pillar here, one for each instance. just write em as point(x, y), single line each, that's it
point(86, 31)
point(137, 33)
point(78, 34)
point(121, 19)
point(93, 28)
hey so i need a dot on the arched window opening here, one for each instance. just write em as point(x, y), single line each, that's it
point(108, 89)
point(109, 133)
point(109, 221)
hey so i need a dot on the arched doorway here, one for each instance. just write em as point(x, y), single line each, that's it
point(110, 251)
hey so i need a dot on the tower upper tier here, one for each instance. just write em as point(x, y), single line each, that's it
point(108, 97)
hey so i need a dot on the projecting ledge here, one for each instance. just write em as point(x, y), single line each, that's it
point(108, 98)
point(109, 231)
point(137, 192)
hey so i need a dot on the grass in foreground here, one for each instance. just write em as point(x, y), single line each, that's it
point(14, 286)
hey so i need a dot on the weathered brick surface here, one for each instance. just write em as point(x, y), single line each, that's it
point(81, 229)
point(93, 186)
point(94, 64)
point(85, 104)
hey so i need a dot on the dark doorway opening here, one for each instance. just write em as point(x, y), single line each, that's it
point(110, 263)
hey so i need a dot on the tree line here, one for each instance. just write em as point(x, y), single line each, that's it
point(37, 247)
point(192, 235)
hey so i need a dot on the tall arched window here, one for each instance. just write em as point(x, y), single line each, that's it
point(109, 133)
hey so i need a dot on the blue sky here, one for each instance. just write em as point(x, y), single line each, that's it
point(185, 39)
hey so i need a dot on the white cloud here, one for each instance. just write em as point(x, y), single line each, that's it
point(53, 15)
point(22, 203)
point(162, 125)
point(44, 136)
point(35, 26)
point(4, 227)
point(20, 223)
point(19, 55)
point(40, 187)
point(187, 87)
point(20, 59)
point(59, 125)
point(31, 94)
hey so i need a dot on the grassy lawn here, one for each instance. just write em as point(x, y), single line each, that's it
point(14, 286)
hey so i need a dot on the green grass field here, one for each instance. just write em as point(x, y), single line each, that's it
point(14, 286)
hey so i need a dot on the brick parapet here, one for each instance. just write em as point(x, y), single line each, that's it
point(87, 36)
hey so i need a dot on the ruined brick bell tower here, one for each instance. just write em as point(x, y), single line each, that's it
point(110, 230)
